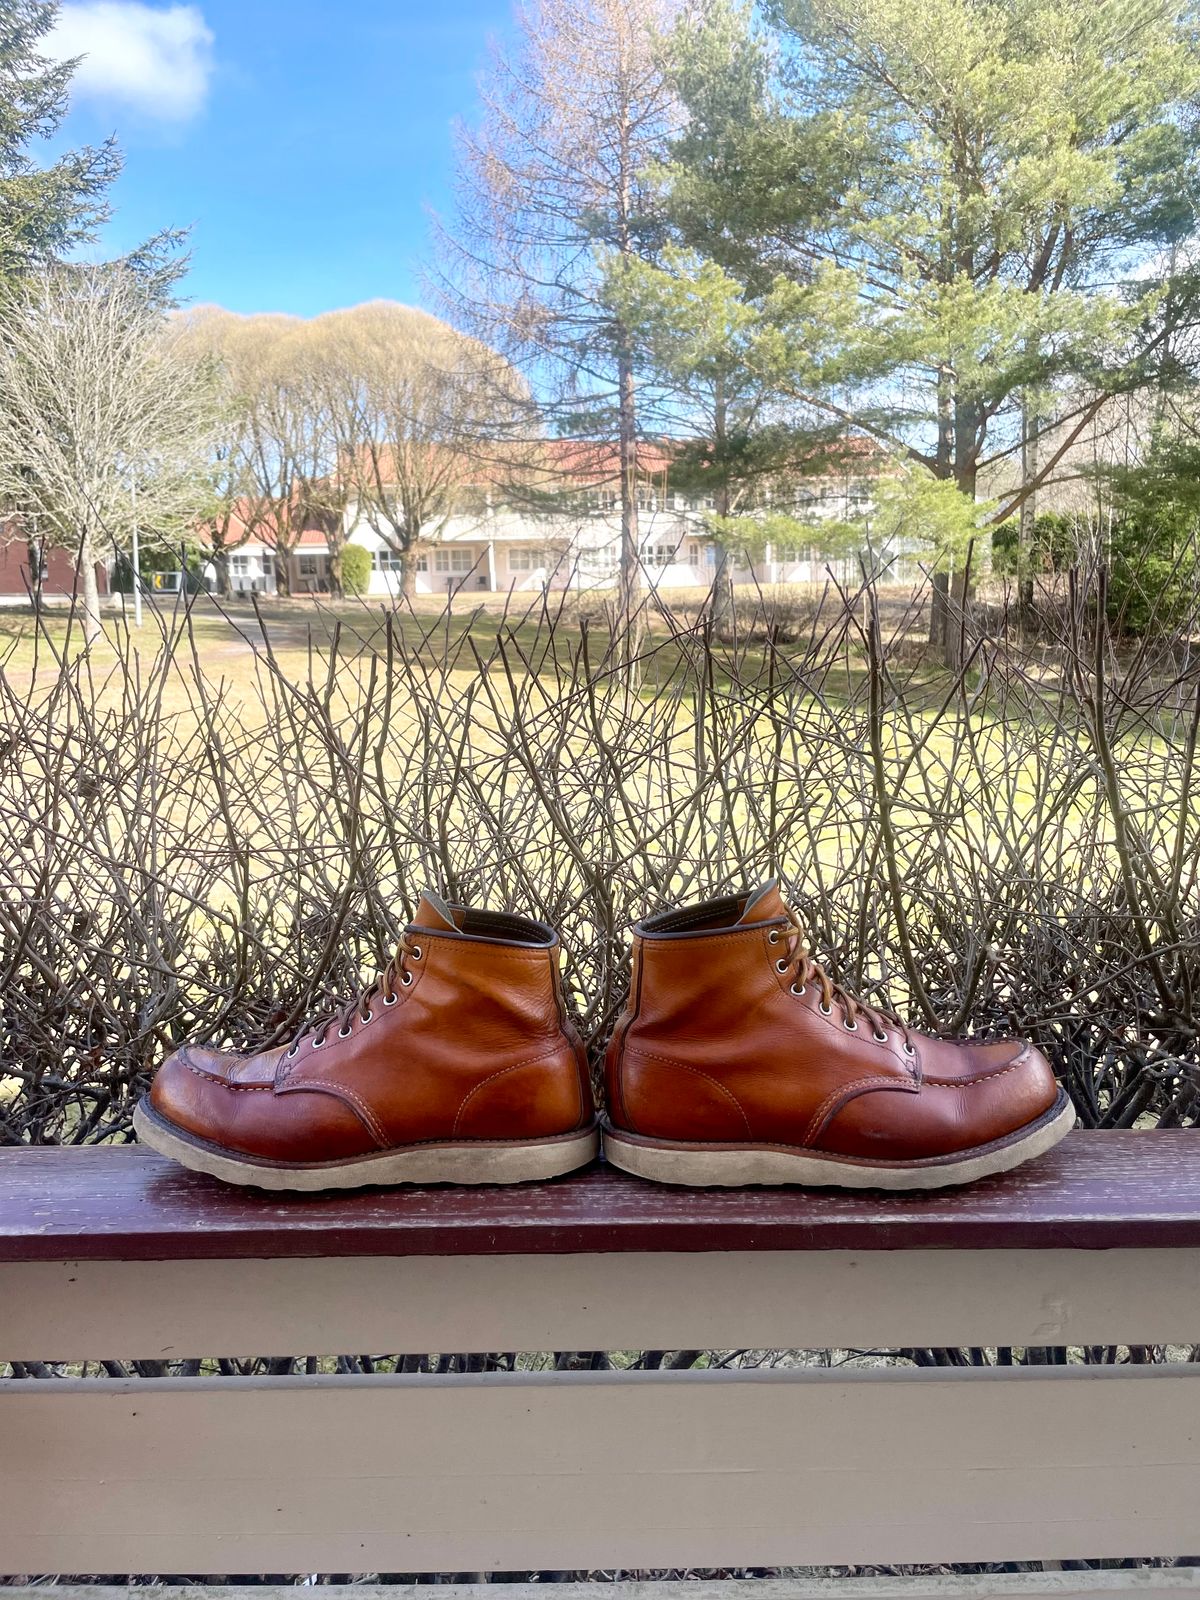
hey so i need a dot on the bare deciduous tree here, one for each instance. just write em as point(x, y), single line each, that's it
point(420, 414)
point(104, 417)
point(245, 483)
point(377, 409)
point(555, 179)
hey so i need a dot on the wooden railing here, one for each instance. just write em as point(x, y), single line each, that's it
point(110, 1253)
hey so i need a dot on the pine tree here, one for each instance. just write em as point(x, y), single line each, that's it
point(45, 212)
point(952, 205)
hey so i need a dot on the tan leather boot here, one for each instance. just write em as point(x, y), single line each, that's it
point(456, 1066)
point(738, 1060)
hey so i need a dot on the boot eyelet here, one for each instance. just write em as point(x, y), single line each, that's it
point(390, 999)
point(416, 952)
point(908, 1050)
point(319, 1044)
point(344, 1033)
point(407, 979)
point(293, 1052)
point(773, 936)
point(850, 1027)
point(798, 989)
point(826, 1011)
point(880, 1038)
point(368, 1016)
point(782, 966)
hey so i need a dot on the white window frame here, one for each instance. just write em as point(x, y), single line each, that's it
point(448, 559)
point(658, 556)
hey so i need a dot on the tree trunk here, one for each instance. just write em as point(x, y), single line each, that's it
point(939, 598)
point(336, 588)
point(961, 595)
point(962, 587)
point(221, 562)
point(89, 590)
point(939, 606)
point(722, 601)
point(408, 573)
point(627, 622)
point(1028, 511)
point(36, 556)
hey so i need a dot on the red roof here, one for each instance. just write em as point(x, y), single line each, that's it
point(582, 462)
point(256, 522)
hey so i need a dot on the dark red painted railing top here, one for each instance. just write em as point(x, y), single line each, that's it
point(1095, 1191)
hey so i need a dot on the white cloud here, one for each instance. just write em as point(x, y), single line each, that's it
point(157, 60)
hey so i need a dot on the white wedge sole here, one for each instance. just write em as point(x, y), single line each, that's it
point(473, 1161)
point(729, 1166)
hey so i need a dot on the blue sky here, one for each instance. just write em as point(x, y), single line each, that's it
point(299, 140)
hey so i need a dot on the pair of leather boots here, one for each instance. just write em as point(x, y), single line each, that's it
point(737, 1060)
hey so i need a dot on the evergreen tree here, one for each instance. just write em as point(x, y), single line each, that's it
point(46, 212)
point(950, 206)
point(1153, 543)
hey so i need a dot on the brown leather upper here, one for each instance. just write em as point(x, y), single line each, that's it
point(464, 1037)
point(717, 1045)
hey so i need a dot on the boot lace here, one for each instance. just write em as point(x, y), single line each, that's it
point(798, 962)
point(395, 976)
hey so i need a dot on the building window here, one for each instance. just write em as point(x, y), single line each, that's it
point(659, 555)
point(788, 554)
point(604, 499)
point(647, 498)
point(240, 566)
point(603, 563)
point(389, 561)
point(422, 563)
point(310, 566)
point(453, 560)
point(524, 560)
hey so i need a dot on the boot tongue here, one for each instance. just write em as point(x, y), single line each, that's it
point(433, 912)
point(765, 904)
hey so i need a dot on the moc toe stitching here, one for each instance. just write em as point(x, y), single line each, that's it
point(227, 1083)
point(971, 1080)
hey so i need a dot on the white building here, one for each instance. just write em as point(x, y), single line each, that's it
point(500, 548)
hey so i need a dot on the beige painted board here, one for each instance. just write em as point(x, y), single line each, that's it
point(772, 1299)
point(598, 1470)
point(1145, 1583)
